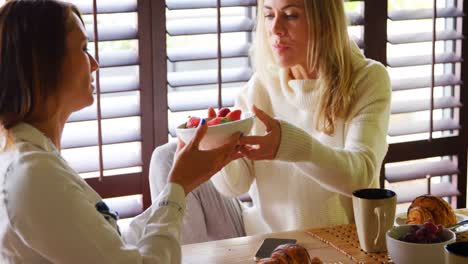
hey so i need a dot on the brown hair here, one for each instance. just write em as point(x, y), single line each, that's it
point(32, 50)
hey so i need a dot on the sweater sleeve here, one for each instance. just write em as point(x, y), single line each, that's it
point(52, 214)
point(357, 165)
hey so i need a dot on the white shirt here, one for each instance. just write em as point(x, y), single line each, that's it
point(48, 213)
point(310, 181)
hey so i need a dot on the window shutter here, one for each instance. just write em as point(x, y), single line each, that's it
point(425, 156)
point(103, 142)
point(192, 54)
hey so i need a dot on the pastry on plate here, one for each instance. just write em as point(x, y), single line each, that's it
point(290, 254)
point(432, 207)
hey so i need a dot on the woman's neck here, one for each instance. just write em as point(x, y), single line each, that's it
point(299, 72)
point(51, 127)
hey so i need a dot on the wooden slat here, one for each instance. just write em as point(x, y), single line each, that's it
point(183, 101)
point(118, 58)
point(401, 128)
point(424, 13)
point(418, 60)
point(115, 157)
point(83, 134)
point(113, 32)
point(407, 106)
point(355, 19)
point(127, 106)
point(423, 37)
point(407, 192)
point(423, 82)
point(419, 170)
point(204, 53)
point(106, 7)
point(208, 26)
point(191, 4)
point(420, 149)
point(189, 78)
point(115, 84)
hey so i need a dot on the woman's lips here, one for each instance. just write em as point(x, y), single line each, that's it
point(280, 48)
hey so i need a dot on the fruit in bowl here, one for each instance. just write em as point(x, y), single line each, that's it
point(221, 126)
point(418, 243)
point(225, 115)
point(424, 234)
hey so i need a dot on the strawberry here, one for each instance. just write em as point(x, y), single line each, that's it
point(223, 112)
point(193, 122)
point(217, 121)
point(234, 115)
point(211, 112)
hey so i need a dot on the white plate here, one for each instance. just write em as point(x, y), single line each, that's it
point(400, 219)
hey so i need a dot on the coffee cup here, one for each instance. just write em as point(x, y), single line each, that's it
point(374, 214)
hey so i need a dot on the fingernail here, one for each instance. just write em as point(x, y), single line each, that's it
point(203, 121)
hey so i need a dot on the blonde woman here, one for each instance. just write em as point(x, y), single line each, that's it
point(321, 133)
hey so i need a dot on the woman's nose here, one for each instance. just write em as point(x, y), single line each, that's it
point(94, 63)
point(277, 27)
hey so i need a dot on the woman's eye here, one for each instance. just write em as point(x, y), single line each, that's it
point(269, 16)
point(292, 16)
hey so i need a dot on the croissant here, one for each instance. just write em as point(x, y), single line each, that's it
point(427, 206)
point(290, 254)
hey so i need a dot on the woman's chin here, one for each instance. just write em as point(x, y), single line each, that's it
point(284, 62)
point(89, 102)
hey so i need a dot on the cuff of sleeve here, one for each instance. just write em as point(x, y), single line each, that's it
point(172, 195)
point(295, 143)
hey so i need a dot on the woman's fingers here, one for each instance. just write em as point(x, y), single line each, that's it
point(229, 147)
point(251, 140)
point(180, 144)
point(237, 155)
point(253, 153)
point(266, 145)
point(199, 134)
point(267, 120)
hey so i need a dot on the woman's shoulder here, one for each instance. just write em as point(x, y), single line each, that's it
point(370, 69)
point(372, 76)
point(26, 166)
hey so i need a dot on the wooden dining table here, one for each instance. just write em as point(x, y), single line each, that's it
point(243, 249)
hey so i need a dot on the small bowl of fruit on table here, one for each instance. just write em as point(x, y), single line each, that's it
point(408, 244)
point(221, 125)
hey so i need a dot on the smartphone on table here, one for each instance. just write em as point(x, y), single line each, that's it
point(269, 244)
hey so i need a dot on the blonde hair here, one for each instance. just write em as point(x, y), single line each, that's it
point(329, 53)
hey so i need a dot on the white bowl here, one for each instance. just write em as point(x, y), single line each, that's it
point(403, 252)
point(217, 134)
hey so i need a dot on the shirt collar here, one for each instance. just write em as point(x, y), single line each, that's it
point(27, 132)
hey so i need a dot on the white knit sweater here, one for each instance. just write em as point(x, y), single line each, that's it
point(309, 183)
